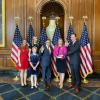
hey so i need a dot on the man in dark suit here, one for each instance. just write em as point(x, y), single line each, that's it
point(46, 53)
point(74, 54)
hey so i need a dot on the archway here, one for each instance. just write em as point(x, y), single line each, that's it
point(56, 9)
point(62, 4)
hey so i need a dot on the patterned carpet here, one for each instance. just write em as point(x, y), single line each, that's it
point(11, 90)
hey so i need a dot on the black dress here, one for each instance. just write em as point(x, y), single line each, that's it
point(34, 59)
point(61, 65)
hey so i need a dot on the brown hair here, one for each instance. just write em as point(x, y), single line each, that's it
point(22, 47)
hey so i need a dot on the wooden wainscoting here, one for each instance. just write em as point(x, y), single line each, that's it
point(76, 8)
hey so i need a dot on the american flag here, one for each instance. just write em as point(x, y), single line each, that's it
point(17, 40)
point(85, 53)
point(70, 32)
point(43, 36)
point(56, 37)
point(30, 35)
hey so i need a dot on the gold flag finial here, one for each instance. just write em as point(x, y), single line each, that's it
point(43, 19)
point(85, 18)
point(17, 19)
point(30, 18)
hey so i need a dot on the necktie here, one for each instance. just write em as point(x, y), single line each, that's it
point(49, 49)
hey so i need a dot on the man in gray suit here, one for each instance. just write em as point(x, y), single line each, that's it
point(74, 54)
point(46, 53)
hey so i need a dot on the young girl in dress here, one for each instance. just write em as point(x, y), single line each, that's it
point(34, 62)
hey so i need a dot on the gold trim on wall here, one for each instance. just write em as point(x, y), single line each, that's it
point(3, 24)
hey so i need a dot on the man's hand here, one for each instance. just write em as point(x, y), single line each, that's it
point(42, 49)
point(66, 43)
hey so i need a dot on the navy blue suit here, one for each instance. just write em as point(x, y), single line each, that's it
point(46, 65)
point(74, 54)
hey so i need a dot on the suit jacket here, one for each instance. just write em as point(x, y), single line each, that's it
point(74, 53)
point(46, 57)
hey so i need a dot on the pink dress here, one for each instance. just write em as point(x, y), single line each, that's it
point(60, 55)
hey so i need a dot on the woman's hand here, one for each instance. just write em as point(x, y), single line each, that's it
point(34, 68)
point(60, 56)
point(19, 64)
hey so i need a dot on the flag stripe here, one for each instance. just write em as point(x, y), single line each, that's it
point(86, 59)
point(83, 64)
point(68, 64)
point(14, 58)
point(83, 71)
point(83, 58)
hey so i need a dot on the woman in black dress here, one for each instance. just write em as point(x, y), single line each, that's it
point(60, 52)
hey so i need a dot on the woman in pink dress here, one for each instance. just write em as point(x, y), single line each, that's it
point(23, 62)
point(60, 52)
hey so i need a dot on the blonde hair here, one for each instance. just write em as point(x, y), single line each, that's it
point(33, 40)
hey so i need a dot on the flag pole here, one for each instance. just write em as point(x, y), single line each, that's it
point(56, 79)
point(84, 78)
point(16, 78)
point(30, 18)
point(71, 22)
